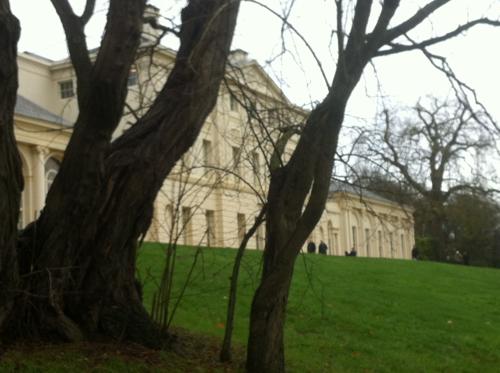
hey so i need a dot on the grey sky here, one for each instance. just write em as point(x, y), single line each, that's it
point(404, 78)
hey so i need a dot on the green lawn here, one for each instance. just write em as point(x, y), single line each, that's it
point(353, 314)
point(344, 315)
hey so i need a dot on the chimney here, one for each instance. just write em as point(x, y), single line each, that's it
point(238, 56)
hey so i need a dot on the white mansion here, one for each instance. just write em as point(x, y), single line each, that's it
point(213, 195)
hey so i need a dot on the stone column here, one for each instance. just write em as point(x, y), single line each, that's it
point(213, 121)
point(27, 195)
point(41, 153)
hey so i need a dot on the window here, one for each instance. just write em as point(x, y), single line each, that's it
point(242, 226)
point(391, 244)
point(207, 153)
point(51, 170)
point(403, 245)
point(170, 222)
point(185, 159)
point(210, 221)
point(236, 162)
point(66, 89)
point(186, 226)
point(367, 241)
point(132, 78)
point(380, 243)
point(354, 237)
point(336, 243)
point(256, 168)
point(321, 234)
point(260, 237)
point(233, 103)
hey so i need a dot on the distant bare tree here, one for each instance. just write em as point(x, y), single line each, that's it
point(425, 150)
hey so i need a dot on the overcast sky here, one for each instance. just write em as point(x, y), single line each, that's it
point(403, 78)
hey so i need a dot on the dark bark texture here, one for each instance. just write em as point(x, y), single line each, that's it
point(78, 258)
point(287, 229)
point(11, 179)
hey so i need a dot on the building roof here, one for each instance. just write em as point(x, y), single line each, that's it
point(37, 56)
point(343, 187)
point(29, 109)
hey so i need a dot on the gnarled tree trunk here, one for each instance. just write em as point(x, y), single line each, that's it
point(287, 229)
point(11, 179)
point(78, 258)
point(305, 181)
point(140, 160)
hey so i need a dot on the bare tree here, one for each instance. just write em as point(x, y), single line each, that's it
point(272, 123)
point(176, 223)
point(77, 261)
point(299, 189)
point(426, 151)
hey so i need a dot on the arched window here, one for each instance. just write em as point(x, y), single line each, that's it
point(51, 169)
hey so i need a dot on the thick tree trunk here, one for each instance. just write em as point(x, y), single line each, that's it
point(265, 351)
point(287, 230)
point(54, 255)
point(141, 159)
point(437, 228)
point(305, 180)
point(11, 179)
point(307, 174)
point(79, 257)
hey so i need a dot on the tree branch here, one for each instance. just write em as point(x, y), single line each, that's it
point(113, 62)
point(88, 11)
point(462, 89)
point(395, 157)
point(153, 22)
point(77, 45)
point(389, 8)
point(340, 32)
point(413, 21)
point(398, 48)
point(358, 30)
point(301, 37)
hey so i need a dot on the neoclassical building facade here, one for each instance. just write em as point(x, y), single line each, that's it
point(214, 193)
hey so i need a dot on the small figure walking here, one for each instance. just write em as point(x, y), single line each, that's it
point(465, 258)
point(322, 249)
point(352, 253)
point(414, 253)
point(311, 247)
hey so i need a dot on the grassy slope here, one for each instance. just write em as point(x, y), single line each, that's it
point(352, 314)
point(345, 314)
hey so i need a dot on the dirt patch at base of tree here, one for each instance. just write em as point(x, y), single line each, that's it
point(183, 351)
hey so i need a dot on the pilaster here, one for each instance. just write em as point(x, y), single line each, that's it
point(39, 192)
